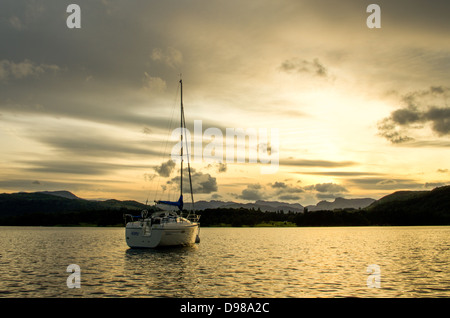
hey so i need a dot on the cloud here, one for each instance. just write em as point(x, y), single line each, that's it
point(165, 169)
point(84, 143)
point(325, 196)
point(11, 70)
point(421, 108)
point(315, 163)
point(385, 183)
point(435, 184)
point(147, 130)
point(327, 188)
point(170, 57)
point(153, 84)
point(221, 167)
point(442, 170)
point(280, 185)
point(283, 188)
point(286, 192)
point(391, 132)
point(253, 192)
point(340, 173)
point(298, 65)
point(201, 182)
point(71, 167)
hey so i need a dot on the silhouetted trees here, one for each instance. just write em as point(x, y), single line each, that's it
point(400, 208)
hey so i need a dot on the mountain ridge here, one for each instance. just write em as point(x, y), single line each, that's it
point(263, 205)
point(401, 208)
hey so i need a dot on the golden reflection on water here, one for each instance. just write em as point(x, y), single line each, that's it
point(229, 262)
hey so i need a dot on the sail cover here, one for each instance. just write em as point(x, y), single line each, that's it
point(178, 203)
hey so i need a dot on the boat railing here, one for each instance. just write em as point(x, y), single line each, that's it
point(193, 217)
point(129, 217)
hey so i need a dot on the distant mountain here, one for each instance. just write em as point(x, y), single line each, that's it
point(264, 206)
point(341, 203)
point(16, 204)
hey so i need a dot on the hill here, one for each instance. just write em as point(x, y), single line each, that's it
point(412, 208)
point(62, 208)
point(58, 201)
point(62, 194)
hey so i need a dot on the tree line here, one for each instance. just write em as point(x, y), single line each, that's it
point(396, 215)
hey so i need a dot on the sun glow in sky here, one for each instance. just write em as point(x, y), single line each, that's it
point(360, 112)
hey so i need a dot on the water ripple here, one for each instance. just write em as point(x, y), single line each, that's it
point(229, 262)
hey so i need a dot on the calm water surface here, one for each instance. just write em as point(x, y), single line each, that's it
point(229, 262)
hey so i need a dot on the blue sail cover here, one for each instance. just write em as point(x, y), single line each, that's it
point(178, 203)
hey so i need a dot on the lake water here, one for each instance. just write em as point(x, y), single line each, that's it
point(229, 262)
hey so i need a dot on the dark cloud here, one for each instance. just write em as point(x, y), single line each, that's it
point(340, 173)
point(221, 167)
point(421, 108)
point(385, 183)
point(84, 143)
point(429, 143)
point(315, 163)
point(89, 168)
point(165, 169)
point(277, 184)
point(388, 130)
point(325, 196)
point(9, 70)
point(327, 188)
point(298, 65)
point(147, 130)
point(433, 185)
point(253, 192)
point(201, 182)
point(286, 191)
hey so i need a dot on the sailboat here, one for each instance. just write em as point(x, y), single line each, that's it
point(166, 227)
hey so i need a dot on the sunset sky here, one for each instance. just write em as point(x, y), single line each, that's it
point(360, 112)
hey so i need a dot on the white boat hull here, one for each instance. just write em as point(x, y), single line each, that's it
point(140, 234)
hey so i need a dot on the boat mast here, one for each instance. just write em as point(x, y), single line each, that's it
point(181, 125)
